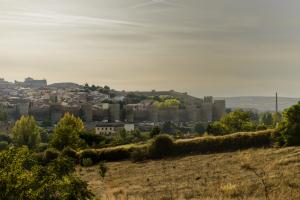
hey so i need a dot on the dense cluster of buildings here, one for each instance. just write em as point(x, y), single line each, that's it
point(48, 103)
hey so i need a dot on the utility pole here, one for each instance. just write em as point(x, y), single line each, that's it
point(276, 108)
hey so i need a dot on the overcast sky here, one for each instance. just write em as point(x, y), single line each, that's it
point(204, 47)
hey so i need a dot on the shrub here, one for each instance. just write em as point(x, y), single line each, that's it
point(102, 169)
point(155, 131)
point(231, 142)
point(50, 154)
point(5, 137)
point(161, 146)
point(3, 145)
point(115, 154)
point(90, 153)
point(87, 162)
point(42, 147)
point(70, 153)
point(216, 128)
point(139, 154)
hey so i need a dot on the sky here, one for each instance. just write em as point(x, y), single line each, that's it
point(203, 47)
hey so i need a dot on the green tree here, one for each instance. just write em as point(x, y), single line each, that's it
point(22, 177)
point(216, 128)
point(288, 132)
point(27, 132)
point(200, 128)
point(266, 119)
point(237, 121)
point(67, 132)
point(155, 131)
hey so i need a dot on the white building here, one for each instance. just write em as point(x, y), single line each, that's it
point(109, 129)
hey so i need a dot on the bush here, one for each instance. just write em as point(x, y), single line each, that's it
point(231, 142)
point(3, 145)
point(50, 155)
point(115, 154)
point(70, 153)
point(87, 162)
point(90, 153)
point(102, 169)
point(155, 131)
point(92, 139)
point(5, 137)
point(139, 155)
point(216, 128)
point(161, 146)
point(42, 147)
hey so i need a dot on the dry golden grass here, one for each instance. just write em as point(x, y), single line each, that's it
point(250, 174)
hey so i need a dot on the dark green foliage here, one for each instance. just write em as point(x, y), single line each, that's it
point(266, 119)
point(139, 154)
point(102, 169)
point(161, 146)
point(289, 129)
point(50, 155)
point(155, 131)
point(42, 147)
point(90, 153)
point(200, 128)
point(93, 140)
point(44, 136)
point(5, 137)
point(124, 137)
point(3, 145)
point(70, 153)
point(87, 162)
point(216, 128)
point(225, 143)
point(22, 177)
point(114, 154)
point(107, 154)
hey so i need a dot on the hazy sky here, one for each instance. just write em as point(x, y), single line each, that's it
point(204, 47)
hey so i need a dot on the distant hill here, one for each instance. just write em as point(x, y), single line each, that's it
point(259, 103)
point(65, 85)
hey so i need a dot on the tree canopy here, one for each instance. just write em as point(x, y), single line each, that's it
point(289, 128)
point(67, 132)
point(22, 177)
point(27, 132)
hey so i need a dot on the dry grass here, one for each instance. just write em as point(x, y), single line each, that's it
point(250, 174)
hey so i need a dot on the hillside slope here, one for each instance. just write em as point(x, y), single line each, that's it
point(215, 176)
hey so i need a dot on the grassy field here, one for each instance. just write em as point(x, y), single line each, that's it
point(249, 174)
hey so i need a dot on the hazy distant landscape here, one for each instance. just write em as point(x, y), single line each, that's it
point(259, 103)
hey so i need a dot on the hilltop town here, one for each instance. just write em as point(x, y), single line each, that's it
point(101, 105)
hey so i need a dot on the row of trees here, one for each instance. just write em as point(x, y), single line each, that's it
point(66, 133)
point(243, 121)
